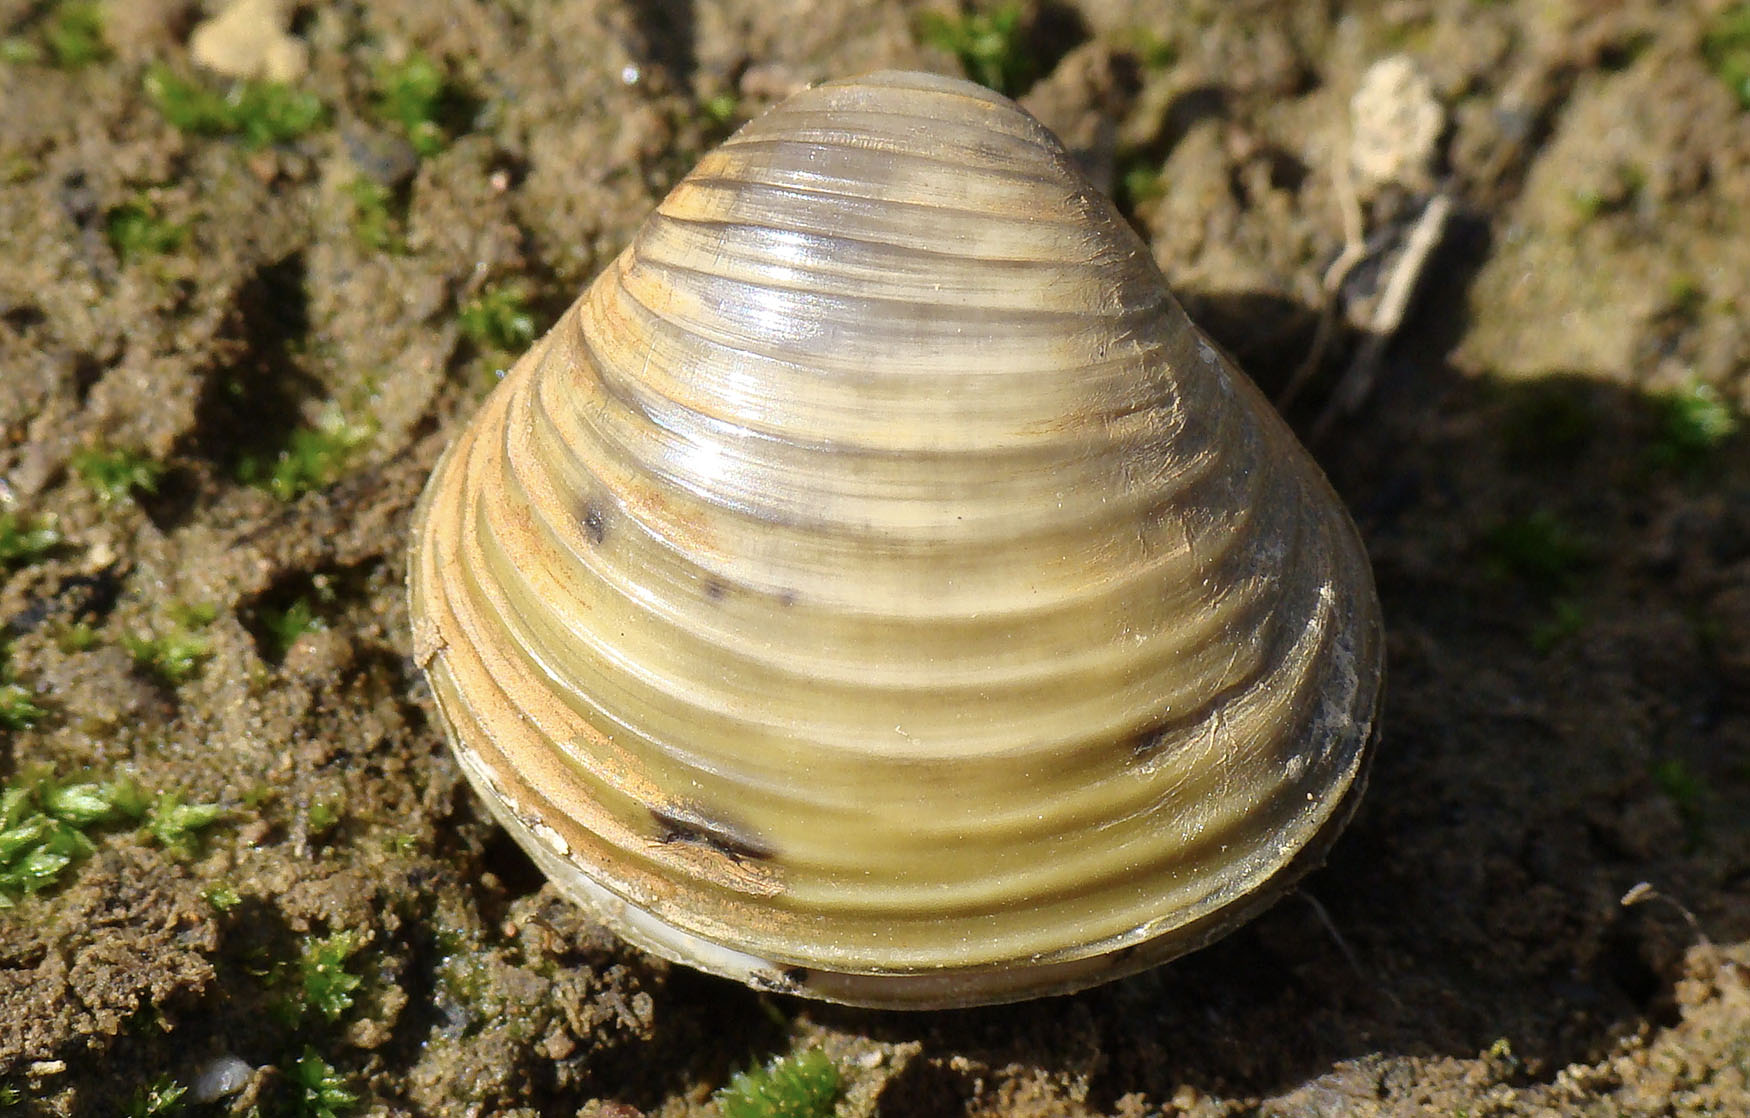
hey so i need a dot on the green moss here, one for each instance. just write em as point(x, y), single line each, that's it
point(1688, 792)
point(1155, 52)
point(222, 896)
point(162, 1096)
point(499, 319)
point(801, 1086)
point(193, 615)
point(176, 825)
point(461, 976)
point(68, 36)
point(116, 475)
point(324, 985)
point(77, 637)
point(18, 706)
point(314, 458)
point(498, 324)
point(24, 540)
point(375, 224)
point(1541, 550)
point(318, 1091)
point(1501, 1062)
point(417, 96)
point(721, 109)
point(257, 112)
point(1692, 424)
point(1139, 184)
point(43, 825)
point(323, 816)
point(173, 657)
point(990, 44)
point(74, 35)
point(1726, 46)
point(1685, 298)
point(283, 627)
point(176, 653)
point(135, 231)
point(1683, 788)
point(1566, 618)
point(1632, 178)
point(1588, 203)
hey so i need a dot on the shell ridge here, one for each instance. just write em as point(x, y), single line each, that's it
point(522, 571)
point(710, 867)
point(856, 309)
point(885, 257)
point(799, 195)
point(771, 363)
point(915, 135)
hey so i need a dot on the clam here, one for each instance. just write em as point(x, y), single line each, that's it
point(875, 588)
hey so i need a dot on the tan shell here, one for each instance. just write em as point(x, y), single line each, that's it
point(875, 588)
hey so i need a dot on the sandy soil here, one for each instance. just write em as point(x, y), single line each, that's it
point(1559, 522)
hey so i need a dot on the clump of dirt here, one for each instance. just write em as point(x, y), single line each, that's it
point(239, 322)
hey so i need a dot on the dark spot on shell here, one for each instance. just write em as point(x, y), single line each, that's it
point(684, 823)
point(595, 524)
point(796, 976)
point(787, 598)
point(1148, 740)
point(715, 589)
point(1144, 742)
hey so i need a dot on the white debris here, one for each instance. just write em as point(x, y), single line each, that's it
point(1396, 124)
point(249, 39)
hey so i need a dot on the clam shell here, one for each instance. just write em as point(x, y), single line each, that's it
point(875, 588)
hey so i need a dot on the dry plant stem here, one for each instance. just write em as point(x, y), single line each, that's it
point(1358, 379)
point(1354, 252)
point(1711, 957)
point(1330, 926)
point(1342, 943)
point(1642, 892)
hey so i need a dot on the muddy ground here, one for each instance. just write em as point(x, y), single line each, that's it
point(1546, 471)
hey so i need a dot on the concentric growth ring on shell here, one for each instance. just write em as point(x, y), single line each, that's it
point(875, 587)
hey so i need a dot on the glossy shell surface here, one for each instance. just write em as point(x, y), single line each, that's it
point(875, 588)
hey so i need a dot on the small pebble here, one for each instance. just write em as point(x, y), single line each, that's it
point(219, 1077)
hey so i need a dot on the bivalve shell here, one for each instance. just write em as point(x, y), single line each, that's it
point(875, 588)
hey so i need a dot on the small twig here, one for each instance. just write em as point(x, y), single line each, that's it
point(1388, 316)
